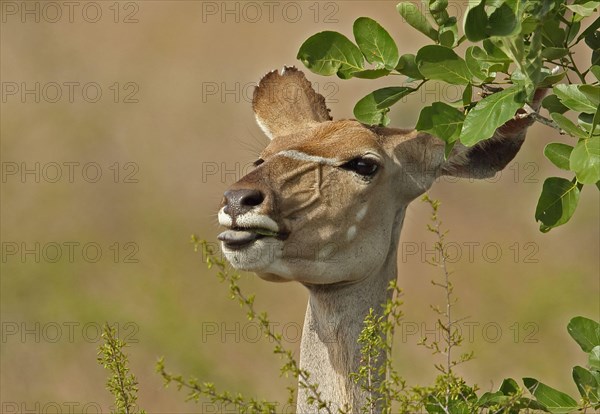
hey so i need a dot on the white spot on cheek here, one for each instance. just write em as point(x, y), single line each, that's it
point(362, 213)
point(351, 234)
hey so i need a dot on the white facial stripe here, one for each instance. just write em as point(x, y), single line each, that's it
point(301, 156)
point(254, 220)
point(224, 218)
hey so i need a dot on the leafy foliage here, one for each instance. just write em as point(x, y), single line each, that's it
point(121, 384)
point(586, 333)
point(376, 375)
point(387, 391)
point(517, 47)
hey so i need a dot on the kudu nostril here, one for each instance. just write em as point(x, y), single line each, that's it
point(252, 198)
point(240, 201)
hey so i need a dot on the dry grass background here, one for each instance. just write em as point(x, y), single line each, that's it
point(173, 51)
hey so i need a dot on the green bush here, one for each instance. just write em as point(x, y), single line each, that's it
point(514, 48)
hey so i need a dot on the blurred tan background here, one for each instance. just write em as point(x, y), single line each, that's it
point(143, 166)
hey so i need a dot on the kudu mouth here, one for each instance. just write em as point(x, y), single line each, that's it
point(241, 238)
point(245, 229)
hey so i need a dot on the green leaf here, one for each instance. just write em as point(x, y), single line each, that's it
point(442, 121)
point(558, 154)
point(415, 18)
point(575, 26)
point(526, 404)
point(557, 203)
point(408, 66)
point(592, 93)
point(529, 24)
point(594, 358)
point(548, 79)
point(375, 43)
point(437, 8)
point(586, 121)
point(554, 35)
point(476, 23)
point(448, 33)
point(583, 10)
point(554, 400)
point(585, 331)
point(476, 65)
point(568, 126)
point(480, 63)
point(467, 95)
point(586, 384)
point(503, 22)
point(371, 73)
point(595, 122)
point(442, 63)
point(458, 407)
point(585, 160)
point(574, 99)
point(492, 398)
point(509, 386)
point(490, 113)
point(553, 104)
point(495, 53)
point(329, 53)
point(596, 72)
point(373, 108)
point(552, 53)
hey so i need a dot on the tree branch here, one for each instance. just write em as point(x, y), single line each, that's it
point(531, 113)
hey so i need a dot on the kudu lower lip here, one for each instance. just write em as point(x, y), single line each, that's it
point(236, 239)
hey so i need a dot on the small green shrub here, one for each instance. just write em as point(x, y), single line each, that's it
point(121, 383)
point(449, 394)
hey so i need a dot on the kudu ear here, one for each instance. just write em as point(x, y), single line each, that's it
point(285, 103)
point(486, 158)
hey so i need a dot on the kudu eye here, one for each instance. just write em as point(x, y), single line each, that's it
point(367, 167)
point(258, 162)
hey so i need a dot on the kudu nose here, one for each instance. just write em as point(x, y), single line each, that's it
point(238, 202)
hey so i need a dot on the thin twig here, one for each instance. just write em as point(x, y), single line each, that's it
point(533, 114)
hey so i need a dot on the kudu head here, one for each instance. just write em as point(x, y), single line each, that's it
point(326, 199)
